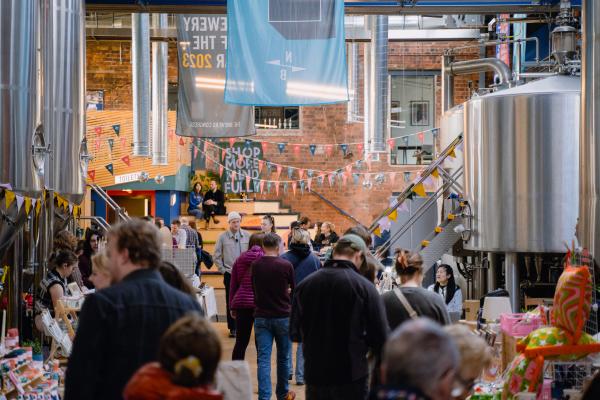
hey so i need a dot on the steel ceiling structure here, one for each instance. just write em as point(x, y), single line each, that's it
point(362, 7)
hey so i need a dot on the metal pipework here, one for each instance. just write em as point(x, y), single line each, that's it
point(511, 271)
point(491, 272)
point(353, 74)
point(489, 43)
point(140, 60)
point(452, 68)
point(376, 99)
point(160, 60)
point(588, 229)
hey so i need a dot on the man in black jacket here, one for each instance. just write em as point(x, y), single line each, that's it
point(338, 316)
point(120, 327)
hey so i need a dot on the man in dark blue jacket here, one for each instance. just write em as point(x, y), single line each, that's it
point(120, 327)
point(338, 316)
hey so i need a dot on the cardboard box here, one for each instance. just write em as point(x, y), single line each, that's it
point(471, 309)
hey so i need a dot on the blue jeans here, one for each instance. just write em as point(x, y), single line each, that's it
point(265, 331)
point(299, 363)
point(196, 213)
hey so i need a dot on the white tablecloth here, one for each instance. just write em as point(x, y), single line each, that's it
point(208, 302)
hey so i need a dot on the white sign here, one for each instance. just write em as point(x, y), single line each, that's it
point(126, 178)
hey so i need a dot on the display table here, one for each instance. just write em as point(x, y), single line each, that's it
point(208, 302)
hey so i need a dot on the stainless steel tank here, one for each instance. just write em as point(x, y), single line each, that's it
point(63, 52)
point(521, 166)
point(451, 125)
point(21, 142)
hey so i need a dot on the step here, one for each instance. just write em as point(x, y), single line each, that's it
point(253, 207)
point(281, 220)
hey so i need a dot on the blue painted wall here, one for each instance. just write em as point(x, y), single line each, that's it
point(99, 206)
point(163, 204)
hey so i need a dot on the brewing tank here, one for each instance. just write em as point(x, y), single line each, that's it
point(521, 166)
point(63, 52)
point(21, 138)
point(451, 125)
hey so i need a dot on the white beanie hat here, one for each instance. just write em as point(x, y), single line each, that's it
point(233, 215)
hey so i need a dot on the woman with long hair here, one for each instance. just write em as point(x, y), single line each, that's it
point(411, 300)
point(327, 238)
point(195, 201)
point(268, 226)
point(90, 247)
point(446, 287)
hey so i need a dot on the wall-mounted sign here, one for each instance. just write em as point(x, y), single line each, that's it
point(244, 165)
point(126, 178)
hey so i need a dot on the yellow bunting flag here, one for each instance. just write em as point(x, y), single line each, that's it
point(419, 190)
point(38, 207)
point(451, 217)
point(452, 153)
point(393, 215)
point(439, 229)
point(425, 243)
point(27, 205)
point(9, 197)
point(377, 231)
point(435, 173)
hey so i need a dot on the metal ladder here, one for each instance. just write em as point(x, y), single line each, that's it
point(111, 203)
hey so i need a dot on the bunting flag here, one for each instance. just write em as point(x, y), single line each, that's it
point(310, 173)
point(231, 141)
point(285, 187)
point(429, 181)
point(126, 160)
point(296, 149)
point(92, 174)
point(262, 185)
point(109, 167)
point(111, 143)
point(27, 205)
point(281, 147)
point(247, 143)
point(195, 151)
point(377, 231)
point(460, 146)
point(20, 201)
point(205, 146)
point(344, 148)
point(98, 130)
point(331, 179)
point(344, 179)
point(290, 172)
point(261, 165)
point(421, 137)
point(349, 169)
point(117, 129)
point(392, 177)
point(181, 141)
point(419, 190)
point(329, 150)
point(403, 206)
point(355, 178)
point(410, 196)
point(309, 183)
point(9, 197)
point(452, 153)
point(240, 159)
point(405, 140)
point(360, 147)
point(393, 215)
point(38, 206)
point(406, 176)
point(269, 187)
point(223, 154)
point(300, 173)
point(302, 187)
point(391, 143)
point(248, 183)
point(264, 146)
point(97, 143)
point(435, 173)
point(320, 180)
point(313, 149)
point(123, 143)
point(220, 170)
point(279, 168)
point(277, 188)
point(294, 187)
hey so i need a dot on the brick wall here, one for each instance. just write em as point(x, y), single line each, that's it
point(109, 69)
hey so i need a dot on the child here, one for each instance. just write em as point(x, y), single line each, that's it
point(188, 357)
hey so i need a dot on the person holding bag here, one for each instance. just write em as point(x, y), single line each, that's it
point(411, 300)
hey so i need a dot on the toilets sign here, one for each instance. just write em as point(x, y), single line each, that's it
point(242, 159)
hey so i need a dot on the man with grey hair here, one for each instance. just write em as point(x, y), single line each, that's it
point(419, 362)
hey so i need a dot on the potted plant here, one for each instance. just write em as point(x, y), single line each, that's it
point(36, 349)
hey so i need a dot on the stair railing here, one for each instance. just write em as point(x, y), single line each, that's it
point(111, 202)
point(101, 222)
point(402, 197)
point(334, 206)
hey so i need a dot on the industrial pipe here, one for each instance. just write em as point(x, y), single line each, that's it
point(353, 74)
point(140, 60)
point(160, 60)
point(511, 273)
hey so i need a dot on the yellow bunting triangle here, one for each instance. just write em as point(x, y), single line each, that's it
point(452, 153)
point(393, 215)
point(419, 190)
point(9, 197)
point(424, 243)
point(377, 231)
point(435, 173)
point(38, 207)
point(27, 205)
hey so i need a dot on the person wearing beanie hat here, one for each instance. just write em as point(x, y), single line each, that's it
point(230, 245)
point(339, 316)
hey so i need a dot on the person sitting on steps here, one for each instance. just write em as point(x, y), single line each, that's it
point(214, 203)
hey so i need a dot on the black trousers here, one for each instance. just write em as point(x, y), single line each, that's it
point(244, 320)
point(357, 390)
point(209, 211)
point(226, 282)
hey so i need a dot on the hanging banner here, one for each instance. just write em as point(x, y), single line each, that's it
point(241, 161)
point(272, 45)
point(201, 112)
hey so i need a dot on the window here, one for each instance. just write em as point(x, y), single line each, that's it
point(277, 117)
point(412, 115)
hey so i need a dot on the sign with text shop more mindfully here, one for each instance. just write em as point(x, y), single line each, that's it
point(201, 111)
point(286, 52)
point(243, 159)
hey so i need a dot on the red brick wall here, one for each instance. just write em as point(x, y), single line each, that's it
point(109, 69)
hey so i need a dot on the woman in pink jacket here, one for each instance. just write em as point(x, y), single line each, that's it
point(241, 295)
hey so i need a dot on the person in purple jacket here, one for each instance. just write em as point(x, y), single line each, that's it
point(241, 295)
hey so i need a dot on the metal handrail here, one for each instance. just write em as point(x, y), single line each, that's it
point(424, 175)
point(420, 211)
point(338, 209)
point(101, 222)
point(110, 201)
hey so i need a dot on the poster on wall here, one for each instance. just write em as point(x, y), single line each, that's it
point(94, 100)
point(286, 52)
point(201, 111)
point(242, 159)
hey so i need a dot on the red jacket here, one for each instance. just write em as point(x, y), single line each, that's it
point(241, 294)
point(151, 382)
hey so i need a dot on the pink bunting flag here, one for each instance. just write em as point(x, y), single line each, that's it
point(329, 150)
point(296, 149)
point(403, 206)
point(392, 177)
point(92, 174)
point(264, 146)
point(331, 179)
point(248, 182)
point(220, 170)
point(223, 154)
point(231, 141)
point(261, 165)
point(309, 183)
point(181, 141)
point(205, 146)
point(277, 188)
point(301, 173)
point(195, 151)
point(240, 159)
point(97, 143)
point(421, 137)
point(126, 160)
point(349, 169)
point(294, 187)
point(98, 130)
point(391, 143)
point(123, 143)
point(279, 168)
point(262, 185)
point(360, 147)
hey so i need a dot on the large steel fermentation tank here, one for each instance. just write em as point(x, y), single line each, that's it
point(521, 166)
point(21, 138)
point(63, 50)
